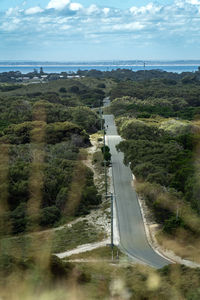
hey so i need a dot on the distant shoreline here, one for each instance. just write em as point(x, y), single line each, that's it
point(54, 67)
point(95, 65)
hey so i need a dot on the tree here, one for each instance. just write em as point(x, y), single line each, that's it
point(61, 198)
point(62, 90)
point(19, 219)
point(49, 215)
point(74, 89)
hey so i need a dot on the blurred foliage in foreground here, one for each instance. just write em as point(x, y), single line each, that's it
point(50, 278)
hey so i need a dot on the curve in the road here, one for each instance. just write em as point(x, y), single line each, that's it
point(132, 233)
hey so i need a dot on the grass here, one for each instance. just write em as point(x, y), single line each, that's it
point(101, 281)
point(93, 83)
point(134, 282)
point(97, 161)
point(51, 241)
point(80, 233)
point(103, 253)
point(54, 86)
point(183, 244)
point(184, 241)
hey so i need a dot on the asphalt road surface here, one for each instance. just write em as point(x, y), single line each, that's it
point(133, 238)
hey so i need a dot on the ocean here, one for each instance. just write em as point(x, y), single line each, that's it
point(26, 67)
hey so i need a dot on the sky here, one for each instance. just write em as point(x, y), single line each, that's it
point(66, 30)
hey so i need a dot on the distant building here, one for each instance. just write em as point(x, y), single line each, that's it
point(26, 78)
point(73, 76)
point(54, 77)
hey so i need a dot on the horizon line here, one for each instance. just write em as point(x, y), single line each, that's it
point(99, 60)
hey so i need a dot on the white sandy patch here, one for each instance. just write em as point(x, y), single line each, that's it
point(83, 248)
point(116, 237)
point(98, 217)
point(100, 220)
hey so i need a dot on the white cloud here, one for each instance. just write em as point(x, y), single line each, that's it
point(106, 10)
point(75, 6)
point(16, 21)
point(130, 26)
point(175, 21)
point(93, 9)
point(149, 8)
point(33, 10)
point(65, 27)
point(58, 4)
point(179, 3)
point(6, 26)
point(193, 2)
point(13, 11)
point(10, 25)
point(9, 12)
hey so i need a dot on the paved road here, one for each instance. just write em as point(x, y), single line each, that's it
point(130, 222)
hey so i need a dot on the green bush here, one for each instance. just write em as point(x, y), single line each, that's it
point(101, 86)
point(18, 218)
point(61, 198)
point(74, 89)
point(58, 269)
point(62, 90)
point(172, 224)
point(106, 153)
point(49, 216)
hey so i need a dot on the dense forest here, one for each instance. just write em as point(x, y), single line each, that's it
point(127, 74)
point(42, 131)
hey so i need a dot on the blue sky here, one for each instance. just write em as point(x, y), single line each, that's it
point(5, 4)
point(64, 30)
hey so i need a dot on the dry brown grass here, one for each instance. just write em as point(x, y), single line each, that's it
point(184, 242)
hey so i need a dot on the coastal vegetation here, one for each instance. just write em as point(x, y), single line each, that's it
point(97, 280)
point(46, 184)
point(42, 131)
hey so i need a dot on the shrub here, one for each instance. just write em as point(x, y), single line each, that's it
point(74, 89)
point(106, 152)
point(172, 224)
point(58, 269)
point(62, 90)
point(101, 86)
point(49, 216)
